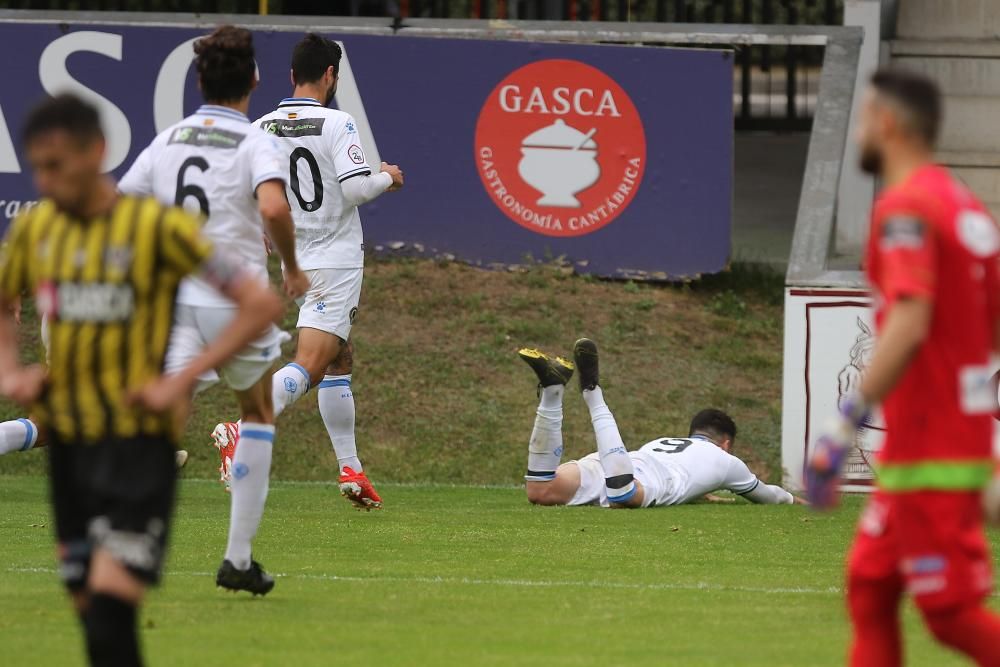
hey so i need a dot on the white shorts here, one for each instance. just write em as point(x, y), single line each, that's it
point(593, 490)
point(197, 326)
point(331, 304)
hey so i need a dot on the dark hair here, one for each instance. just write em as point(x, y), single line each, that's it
point(715, 423)
point(917, 94)
point(312, 56)
point(225, 64)
point(65, 112)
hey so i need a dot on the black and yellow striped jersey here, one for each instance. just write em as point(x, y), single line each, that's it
point(107, 287)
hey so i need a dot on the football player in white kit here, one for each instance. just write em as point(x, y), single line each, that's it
point(329, 178)
point(666, 471)
point(216, 162)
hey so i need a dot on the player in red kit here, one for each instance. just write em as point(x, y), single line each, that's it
point(932, 261)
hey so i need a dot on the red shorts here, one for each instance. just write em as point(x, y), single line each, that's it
point(929, 543)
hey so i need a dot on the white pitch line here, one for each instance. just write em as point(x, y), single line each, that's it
point(516, 583)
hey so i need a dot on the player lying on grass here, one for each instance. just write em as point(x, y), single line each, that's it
point(665, 471)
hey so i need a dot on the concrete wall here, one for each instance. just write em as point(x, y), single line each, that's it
point(957, 43)
point(948, 19)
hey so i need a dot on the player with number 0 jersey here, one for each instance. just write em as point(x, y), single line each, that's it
point(328, 178)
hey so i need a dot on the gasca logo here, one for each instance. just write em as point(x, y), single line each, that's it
point(560, 148)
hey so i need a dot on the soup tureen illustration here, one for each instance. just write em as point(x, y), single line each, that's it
point(559, 161)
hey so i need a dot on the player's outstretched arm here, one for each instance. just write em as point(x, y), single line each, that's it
point(768, 494)
point(741, 481)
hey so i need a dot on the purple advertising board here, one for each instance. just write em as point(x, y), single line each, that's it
point(616, 158)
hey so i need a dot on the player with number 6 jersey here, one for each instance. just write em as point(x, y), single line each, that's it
point(216, 163)
point(328, 178)
point(665, 471)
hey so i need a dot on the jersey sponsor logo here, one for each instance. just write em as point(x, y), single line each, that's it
point(978, 233)
point(356, 154)
point(305, 127)
point(977, 390)
point(560, 147)
point(86, 302)
point(210, 137)
point(902, 232)
point(924, 565)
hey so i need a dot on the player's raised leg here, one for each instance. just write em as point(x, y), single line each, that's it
point(546, 483)
point(251, 469)
point(619, 474)
point(18, 435)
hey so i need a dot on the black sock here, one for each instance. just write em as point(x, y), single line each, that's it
point(112, 636)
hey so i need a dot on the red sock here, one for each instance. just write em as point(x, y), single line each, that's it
point(973, 631)
point(874, 608)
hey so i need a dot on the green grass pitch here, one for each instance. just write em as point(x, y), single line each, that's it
point(466, 576)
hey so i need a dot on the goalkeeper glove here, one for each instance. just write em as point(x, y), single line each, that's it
point(830, 451)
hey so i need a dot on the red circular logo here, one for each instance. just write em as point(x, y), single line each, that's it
point(560, 148)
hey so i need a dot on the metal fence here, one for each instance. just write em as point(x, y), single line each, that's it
point(775, 85)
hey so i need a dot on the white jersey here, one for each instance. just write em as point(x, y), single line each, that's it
point(674, 471)
point(212, 163)
point(322, 149)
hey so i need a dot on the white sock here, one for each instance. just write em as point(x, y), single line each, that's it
point(288, 384)
point(618, 471)
point(336, 405)
point(17, 435)
point(546, 445)
point(251, 470)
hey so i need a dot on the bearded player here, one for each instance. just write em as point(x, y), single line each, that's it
point(329, 180)
point(666, 471)
point(932, 261)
